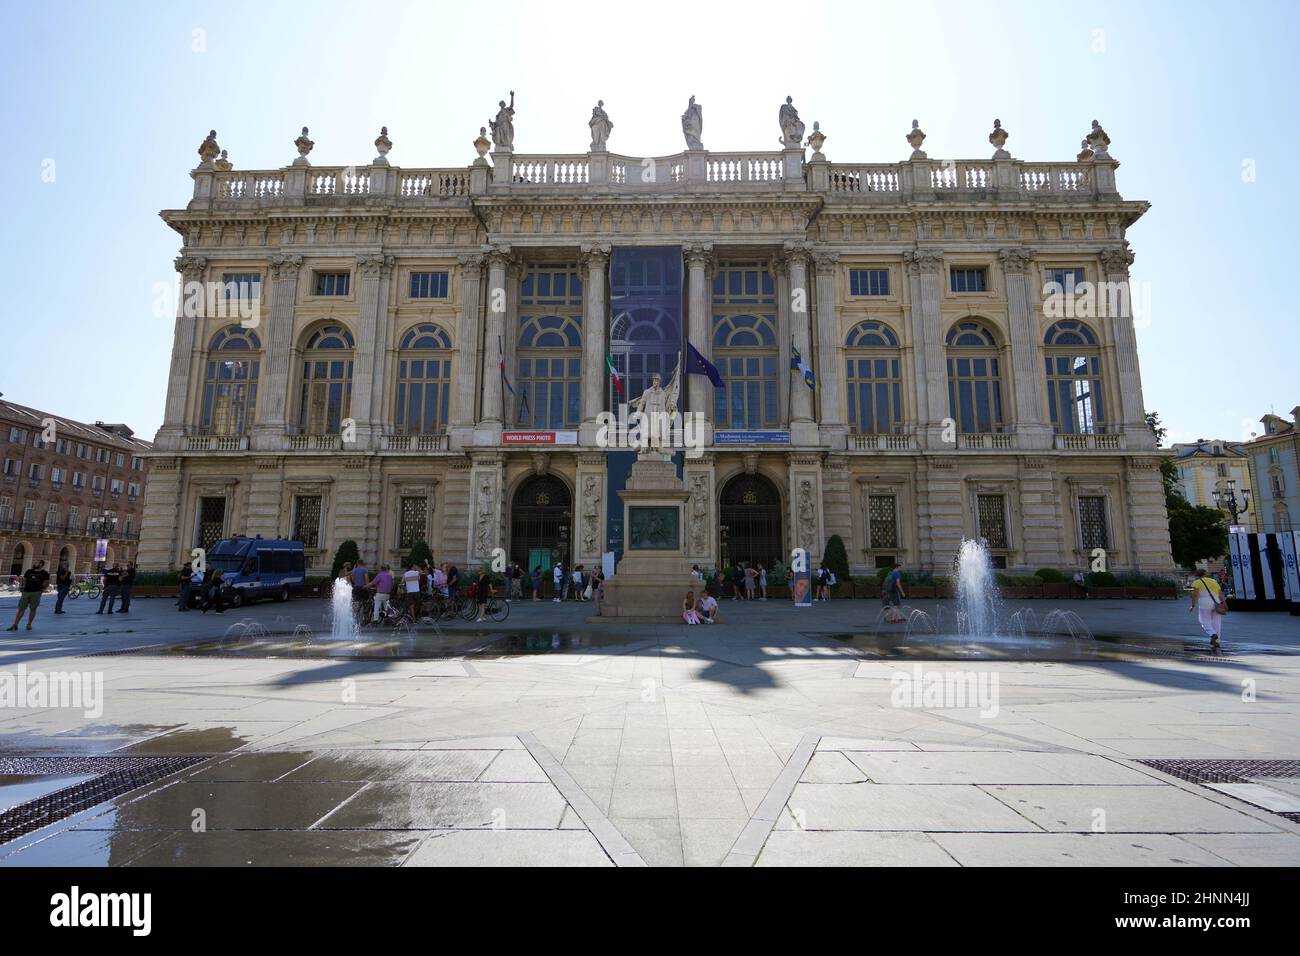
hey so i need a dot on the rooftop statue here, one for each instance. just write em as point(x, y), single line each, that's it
point(791, 126)
point(503, 127)
point(693, 124)
point(600, 126)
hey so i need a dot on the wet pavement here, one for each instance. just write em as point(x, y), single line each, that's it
point(776, 737)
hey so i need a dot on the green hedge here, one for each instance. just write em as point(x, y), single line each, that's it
point(1102, 579)
point(157, 578)
point(1145, 581)
point(1050, 576)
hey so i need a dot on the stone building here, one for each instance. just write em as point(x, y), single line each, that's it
point(428, 352)
point(1274, 458)
point(65, 486)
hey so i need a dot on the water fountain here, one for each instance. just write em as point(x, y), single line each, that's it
point(343, 627)
point(977, 592)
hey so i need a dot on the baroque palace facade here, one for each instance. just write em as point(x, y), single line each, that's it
point(427, 354)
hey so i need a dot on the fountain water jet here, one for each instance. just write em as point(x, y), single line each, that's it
point(977, 591)
point(342, 625)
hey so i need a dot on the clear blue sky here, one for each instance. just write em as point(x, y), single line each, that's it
point(119, 96)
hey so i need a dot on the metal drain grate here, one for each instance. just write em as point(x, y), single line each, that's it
point(1225, 771)
point(114, 776)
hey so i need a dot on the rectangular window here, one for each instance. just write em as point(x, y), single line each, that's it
point(137, 463)
point(133, 489)
point(882, 522)
point(83, 451)
point(7, 510)
point(212, 522)
point(97, 483)
point(412, 521)
point(12, 465)
point(101, 455)
point(1093, 531)
point(61, 446)
point(428, 285)
point(968, 280)
point(332, 283)
point(78, 479)
point(1067, 279)
point(56, 476)
point(115, 486)
point(991, 513)
point(869, 282)
point(18, 436)
point(120, 460)
point(242, 286)
point(34, 471)
point(51, 517)
point(306, 520)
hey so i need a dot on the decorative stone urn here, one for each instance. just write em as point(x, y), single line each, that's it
point(304, 146)
point(815, 140)
point(208, 150)
point(383, 144)
point(915, 139)
point(999, 139)
point(653, 575)
point(482, 144)
point(1099, 141)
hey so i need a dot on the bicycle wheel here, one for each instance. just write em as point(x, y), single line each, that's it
point(498, 610)
point(468, 609)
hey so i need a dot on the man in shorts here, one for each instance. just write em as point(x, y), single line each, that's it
point(35, 579)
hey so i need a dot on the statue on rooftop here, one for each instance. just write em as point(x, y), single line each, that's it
point(693, 124)
point(503, 127)
point(600, 126)
point(791, 126)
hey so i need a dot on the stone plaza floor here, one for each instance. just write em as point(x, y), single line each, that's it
point(779, 736)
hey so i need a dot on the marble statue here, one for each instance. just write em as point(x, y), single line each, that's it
point(600, 126)
point(699, 514)
point(807, 515)
point(791, 125)
point(590, 514)
point(693, 124)
point(503, 127)
point(657, 405)
point(486, 515)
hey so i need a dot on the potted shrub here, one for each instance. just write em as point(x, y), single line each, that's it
point(836, 560)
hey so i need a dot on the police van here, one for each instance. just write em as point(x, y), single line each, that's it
point(256, 568)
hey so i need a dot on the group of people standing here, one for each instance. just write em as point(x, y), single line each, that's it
point(117, 583)
point(206, 591)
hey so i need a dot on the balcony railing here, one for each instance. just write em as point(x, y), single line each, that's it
point(1089, 442)
point(415, 443)
point(982, 441)
point(66, 530)
point(216, 443)
point(315, 442)
point(880, 442)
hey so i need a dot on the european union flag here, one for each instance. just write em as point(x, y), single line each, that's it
point(697, 364)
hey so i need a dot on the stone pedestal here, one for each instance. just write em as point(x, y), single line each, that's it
point(654, 574)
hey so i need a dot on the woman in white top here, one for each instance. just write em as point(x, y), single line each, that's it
point(1208, 606)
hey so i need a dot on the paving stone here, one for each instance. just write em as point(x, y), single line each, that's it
point(1165, 809)
point(510, 848)
point(869, 806)
point(1073, 849)
point(432, 806)
point(849, 848)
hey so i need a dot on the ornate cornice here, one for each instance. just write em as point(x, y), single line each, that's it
point(1015, 260)
point(595, 255)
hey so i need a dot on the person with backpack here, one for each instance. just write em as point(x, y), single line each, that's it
point(1209, 606)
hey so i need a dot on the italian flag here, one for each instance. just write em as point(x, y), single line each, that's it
point(613, 374)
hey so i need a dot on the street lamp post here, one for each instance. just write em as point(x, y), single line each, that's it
point(1225, 497)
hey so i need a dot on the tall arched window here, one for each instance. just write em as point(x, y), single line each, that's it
point(423, 381)
point(548, 350)
point(230, 382)
point(1073, 363)
point(326, 381)
point(645, 333)
point(745, 352)
point(974, 379)
point(874, 382)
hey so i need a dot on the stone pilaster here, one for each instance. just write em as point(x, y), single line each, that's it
point(837, 503)
point(805, 504)
point(699, 262)
point(171, 435)
point(356, 504)
point(455, 507)
point(1115, 262)
point(830, 352)
point(795, 306)
point(160, 523)
point(492, 418)
point(940, 516)
point(268, 509)
point(591, 510)
point(467, 348)
point(277, 353)
point(487, 481)
point(595, 321)
point(1044, 542)
point(1148, 520)
point(925, 274)
point(699, 476)
point(1032, 427)
point(372, 335)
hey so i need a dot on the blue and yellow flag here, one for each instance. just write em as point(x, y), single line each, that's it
point(799, 367)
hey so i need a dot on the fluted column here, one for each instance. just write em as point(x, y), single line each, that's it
point(273, 387)
point(925, 273)
point(795, 306)
point(191, 269)
point(467, 347)
point(493, 414)
point(830, 365)
point(699, 330)
point(1115, 262)
point(1031, 425)
point(373, 271)
point(595, 311)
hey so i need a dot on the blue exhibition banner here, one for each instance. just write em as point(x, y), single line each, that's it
point(751, 438)
point(801, 586)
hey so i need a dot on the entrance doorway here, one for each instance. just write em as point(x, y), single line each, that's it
point(16, 567)
point(750, 529)
point(541, 518)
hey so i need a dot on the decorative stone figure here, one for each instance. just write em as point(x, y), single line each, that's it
point(699, 514)
point(591, 515)
point(224, 164)
point(816, 140)
point(693, 124)
point(304, 146)
point(1085, 152)
point(208, 150)
point(791, 126)
point(999, 139)
point(1099, 141)
point(487, 509)
point(600, 127)
point(503, 127)
point(807, 515)
point(915, 139)
point(383, 144)
point(657, 405)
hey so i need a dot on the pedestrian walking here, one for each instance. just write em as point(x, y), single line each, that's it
point(112, 582)
point(128, 583)
point(1209, 607)
point(558, 580)
point(34, 580)
point(62, 585)
point(891, 595)
point(186, 583)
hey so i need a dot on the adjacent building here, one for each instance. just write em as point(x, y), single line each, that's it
point(67, 485)
point(396, 354)
point(1274, 458)
point(1207, 466)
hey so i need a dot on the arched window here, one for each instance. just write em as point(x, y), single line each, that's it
point(326, 381)
point(745, 352)
point(645, 289)
point(230, 382)
point(423, 381)
point(549, 354)
point(875, 385)
point(1074, 395)
point(974, 379)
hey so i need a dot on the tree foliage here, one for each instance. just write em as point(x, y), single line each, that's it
point(1196, 533)
point(836, 558)
point(348, 551)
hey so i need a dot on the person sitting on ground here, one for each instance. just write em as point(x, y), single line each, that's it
point(708, 609)
point(689, 613)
